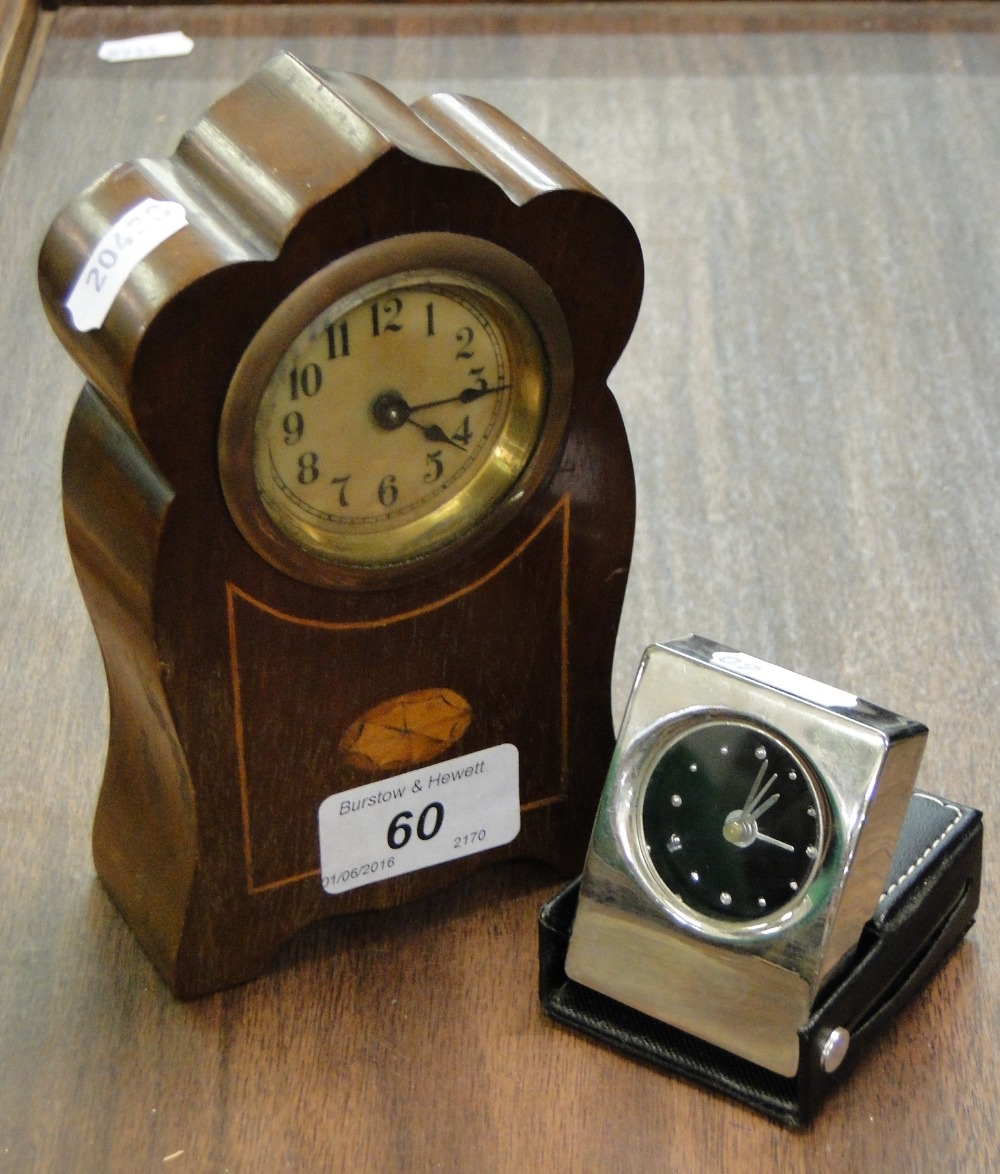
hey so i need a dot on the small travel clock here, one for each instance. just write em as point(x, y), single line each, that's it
point(762, 883)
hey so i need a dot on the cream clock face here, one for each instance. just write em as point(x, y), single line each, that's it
point(393, 423)
point(417, 402)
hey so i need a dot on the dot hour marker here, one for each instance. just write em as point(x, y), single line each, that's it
point(761, 903)
point(695, 877)
point(676, 800)
point(675, 843)
point(693, 768)
point(794, 886)
point(724, 750)
point(793, 775)
point(811, 852)
point(760, 753)
point(725, 898)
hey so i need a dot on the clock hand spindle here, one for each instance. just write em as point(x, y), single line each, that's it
point(391, 411)
point(741, 828)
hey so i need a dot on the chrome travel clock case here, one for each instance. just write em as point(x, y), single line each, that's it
point(757, 953)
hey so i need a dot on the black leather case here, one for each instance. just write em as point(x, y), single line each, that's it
point(926, 909)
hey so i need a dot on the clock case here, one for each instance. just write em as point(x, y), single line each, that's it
point(751, 1004)
point(925, 912)
point(231, 683)
point(745, 985)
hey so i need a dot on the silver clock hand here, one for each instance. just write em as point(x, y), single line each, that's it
point(757, 793)
point(771, 840)
point(758, 811)
point(751, 798)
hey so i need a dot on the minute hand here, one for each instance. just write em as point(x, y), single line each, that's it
point(466, 396)
point(771, 840)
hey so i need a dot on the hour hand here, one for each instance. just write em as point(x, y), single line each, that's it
point(435, 433)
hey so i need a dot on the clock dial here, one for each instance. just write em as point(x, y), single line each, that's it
point(732, 821)
point(399, 417)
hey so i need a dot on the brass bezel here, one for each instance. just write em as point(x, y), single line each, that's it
point(535, 330)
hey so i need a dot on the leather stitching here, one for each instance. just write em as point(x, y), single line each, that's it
point(930, 847)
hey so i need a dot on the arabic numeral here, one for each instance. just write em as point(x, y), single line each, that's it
point(464, 434)
point(469, 838)
point(294, 426)
point(308, 381)
point(342, 496)
point(107, 259)
point(400, 831)
point(384, 315)
point(429, 823)
point(308, 468)
point(388, 494)
point(437, 467)
point(423, 831)
point(337, 340)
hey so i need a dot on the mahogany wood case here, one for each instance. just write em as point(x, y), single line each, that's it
point(232, 684)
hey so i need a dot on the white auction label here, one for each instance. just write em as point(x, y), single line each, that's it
point(146, 48)
point(128, 241)
point(422, 818)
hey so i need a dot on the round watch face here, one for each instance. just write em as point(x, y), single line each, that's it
point(732, 821)
point(393, 423)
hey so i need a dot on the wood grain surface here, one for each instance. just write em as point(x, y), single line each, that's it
point(17, 19)
point(232, 676)
point(812, 400)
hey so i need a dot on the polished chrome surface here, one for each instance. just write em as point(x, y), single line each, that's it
point(746, 986)
point(834, 1050)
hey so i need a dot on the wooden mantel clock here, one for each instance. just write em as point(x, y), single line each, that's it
point(350, 503)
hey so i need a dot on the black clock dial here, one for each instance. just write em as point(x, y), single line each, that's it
point(732, 821)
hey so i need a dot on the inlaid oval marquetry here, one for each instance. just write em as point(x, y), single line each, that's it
point(407, 730)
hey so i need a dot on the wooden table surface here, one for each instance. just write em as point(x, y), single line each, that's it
point(813, 399)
